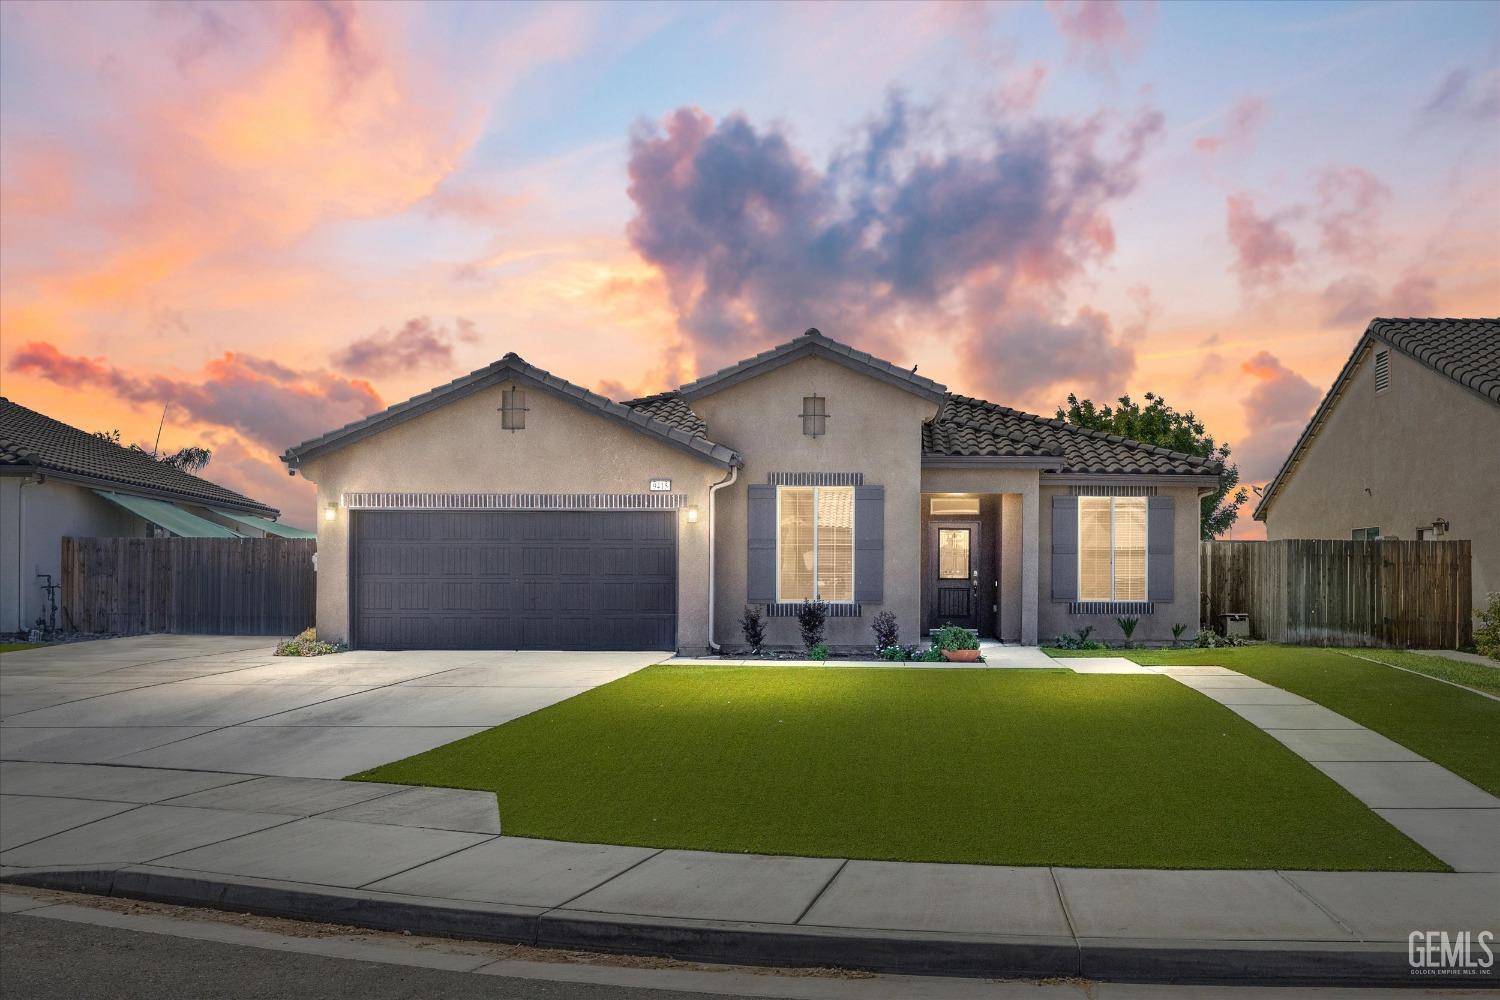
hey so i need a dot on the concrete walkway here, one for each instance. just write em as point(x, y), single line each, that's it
point(271, 839)
point(1453, 819)
point(1453, 654)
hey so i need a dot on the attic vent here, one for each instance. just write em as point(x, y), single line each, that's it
point(814, 415)
point(1382, 371)
point(513, 409)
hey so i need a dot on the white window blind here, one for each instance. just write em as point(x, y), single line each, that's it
point(1112, 548)
point(815, 543)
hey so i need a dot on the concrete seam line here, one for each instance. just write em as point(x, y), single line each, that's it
point(223, 840)
point(1323, 909)
point(489, 838)
point(57, 833)
point(1418, 673)
point(549, 910)
point(1067, 918)
point(819, 894)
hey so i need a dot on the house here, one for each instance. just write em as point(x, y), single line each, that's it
point(57, 480)
point(511, 508)
point(1405, 445)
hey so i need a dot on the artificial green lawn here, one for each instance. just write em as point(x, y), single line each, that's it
point(986, 766)
point(1455, 728)
point(16, 647)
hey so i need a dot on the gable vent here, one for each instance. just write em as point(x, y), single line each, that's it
point(1382, 371)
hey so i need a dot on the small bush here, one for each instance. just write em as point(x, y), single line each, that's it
point(753, 626)
point(1487, 633)
point(819, 652)
point(1127, 625)
point(1080, 640)
point(1177, 631)
point(1209, 639)
point(812, 618)
point(887, 630)
point(931, 654)
point(900, 654)
point(307, 644)
point(953, 637)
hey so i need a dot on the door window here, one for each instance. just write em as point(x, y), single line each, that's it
point(953, 553)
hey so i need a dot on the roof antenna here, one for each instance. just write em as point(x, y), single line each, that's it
point(157, 445)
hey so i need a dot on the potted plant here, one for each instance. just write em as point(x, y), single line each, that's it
point(959, 645)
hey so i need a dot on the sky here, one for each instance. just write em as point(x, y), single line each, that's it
point(274, 219)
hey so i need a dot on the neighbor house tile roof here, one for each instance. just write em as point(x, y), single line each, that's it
point(506, 369)
point(32, 440)
point(975, 428)
point(1467, 351)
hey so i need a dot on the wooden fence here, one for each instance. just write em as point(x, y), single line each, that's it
point(214, 586)
point(1311, 592)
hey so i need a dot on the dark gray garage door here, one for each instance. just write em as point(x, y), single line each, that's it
point(515, 579)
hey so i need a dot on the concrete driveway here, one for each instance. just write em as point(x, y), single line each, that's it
point(224, 703)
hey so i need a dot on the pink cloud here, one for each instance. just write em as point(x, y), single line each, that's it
point(1243, 122)
point(1263, 250)
point(417, 343)
point(1276, 408)
point(1350, 205)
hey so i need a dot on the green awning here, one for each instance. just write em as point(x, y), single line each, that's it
point(176, 520)
point(267, 525)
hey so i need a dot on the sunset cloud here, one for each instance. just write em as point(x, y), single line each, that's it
point(417, 343)
point(1277, 408)
point(1263, 249)
point(1349, 213)
point(1240, 126)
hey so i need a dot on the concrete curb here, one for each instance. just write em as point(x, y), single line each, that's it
point(899, 952)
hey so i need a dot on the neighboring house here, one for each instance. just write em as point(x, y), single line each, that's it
point(57, 480)
point(510, 508)
point(1405, 445)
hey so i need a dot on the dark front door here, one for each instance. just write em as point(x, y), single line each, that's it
point(953, 574)
point(424, 579)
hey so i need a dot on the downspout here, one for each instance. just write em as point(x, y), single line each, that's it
point(21, 580)
point(713, 493)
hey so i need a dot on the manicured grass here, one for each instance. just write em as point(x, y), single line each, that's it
point(1455, 728)
point(986, 766)
point(1471, 675)
point(16, 647)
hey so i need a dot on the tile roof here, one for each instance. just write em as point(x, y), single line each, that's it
point(31, 439)
point(975, 428)
point(669, 407)
point(508, 367)
point(1465, 350)
point(813, 342)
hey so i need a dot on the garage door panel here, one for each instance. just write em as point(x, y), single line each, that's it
point(515, 579)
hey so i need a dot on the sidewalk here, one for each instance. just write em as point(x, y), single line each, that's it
point(432, 861)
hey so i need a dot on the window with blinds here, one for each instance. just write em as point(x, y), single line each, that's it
point(815, 543)
point(1112, 548)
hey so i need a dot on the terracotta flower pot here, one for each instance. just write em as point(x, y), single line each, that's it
point(961, 655)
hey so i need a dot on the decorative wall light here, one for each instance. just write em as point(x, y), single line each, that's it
point(331, 512)
point(692, 514)
point(1441, 525)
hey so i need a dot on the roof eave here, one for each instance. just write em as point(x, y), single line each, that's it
point(810, 345)
point(132, 489)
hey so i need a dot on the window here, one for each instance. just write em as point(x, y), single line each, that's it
point(1382, 371)
point(1365, 534)
point(513, 409)
point(815, 543)
point(948, 506)
point(1112, 548)
point(814, 416)
point(953, 553)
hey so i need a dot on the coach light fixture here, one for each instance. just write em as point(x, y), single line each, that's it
point(330, 513)
point(692, 514)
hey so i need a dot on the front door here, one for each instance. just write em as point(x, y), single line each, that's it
point(953, 574)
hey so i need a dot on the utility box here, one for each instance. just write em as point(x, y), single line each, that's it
point(1235, 625)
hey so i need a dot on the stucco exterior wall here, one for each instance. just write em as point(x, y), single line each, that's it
point(33, 520)
point(1054, 618)
point(1397, 460)
point(873, 428)
point(460, 448)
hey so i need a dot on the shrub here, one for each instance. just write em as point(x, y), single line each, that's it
point(753, 626)
point(307, 644)
point(887, 630)
point(1209, 639)
point(931, 654)
point(1487, 634)
point(819, 652)
point(1127, 625)
point(812, 617)
point(1177, 631)
point(953, 637)
point(900, 654)
point(1078, 640)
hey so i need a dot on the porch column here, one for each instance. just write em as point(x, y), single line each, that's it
point(1031, 535)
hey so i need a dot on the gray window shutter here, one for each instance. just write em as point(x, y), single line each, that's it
point(760, 561)
point(1161, 525)
point(1065, 548)
point(869, 544)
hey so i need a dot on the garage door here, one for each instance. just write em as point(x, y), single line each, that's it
point(515, 579)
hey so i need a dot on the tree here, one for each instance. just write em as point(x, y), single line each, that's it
point(189, 459)
point(1157, 423)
